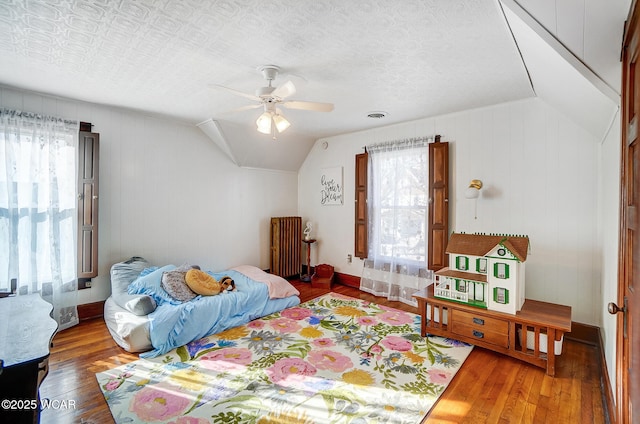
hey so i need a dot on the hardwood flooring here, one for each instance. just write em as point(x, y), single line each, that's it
point(489, 388)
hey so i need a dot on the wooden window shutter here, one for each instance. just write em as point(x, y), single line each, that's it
point(88, 155)
point(361, 216)
point(438, 223)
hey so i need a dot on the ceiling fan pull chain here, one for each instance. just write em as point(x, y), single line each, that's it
point(273, 131)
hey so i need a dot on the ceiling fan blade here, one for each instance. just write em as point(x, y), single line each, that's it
point(314, 106)
point(285, 90)
point(237, 93)
point(247, 107)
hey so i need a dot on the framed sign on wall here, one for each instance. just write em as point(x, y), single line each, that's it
point(331, 190)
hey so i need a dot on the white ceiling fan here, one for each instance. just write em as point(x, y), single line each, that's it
point(270, 98)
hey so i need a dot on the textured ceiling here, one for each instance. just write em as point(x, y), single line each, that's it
point(411, 59)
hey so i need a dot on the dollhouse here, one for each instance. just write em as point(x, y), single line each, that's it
point(485, 270)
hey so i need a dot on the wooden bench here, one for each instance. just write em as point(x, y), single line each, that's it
point(534, 334)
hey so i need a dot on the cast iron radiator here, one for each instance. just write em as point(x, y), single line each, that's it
point(286, 245)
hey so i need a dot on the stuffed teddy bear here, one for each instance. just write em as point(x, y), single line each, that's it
point(204, 284)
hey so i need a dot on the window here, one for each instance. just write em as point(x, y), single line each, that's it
point(501, 270)
point(397, 203)
point(481, 265)
point(479, 292)
point(401, 216)
point(461, 286)
point(462, 263)
point(38, 209)
point(501, 295)
point(437, 226)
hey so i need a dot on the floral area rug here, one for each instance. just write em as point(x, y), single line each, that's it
point(334, 359)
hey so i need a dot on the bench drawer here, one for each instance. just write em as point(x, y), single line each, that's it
point(482, 322)
point(489, 330)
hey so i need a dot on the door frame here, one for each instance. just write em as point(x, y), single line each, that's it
point(630, 41)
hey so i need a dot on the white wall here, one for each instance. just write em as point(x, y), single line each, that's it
point(167, 193)
point(540, 175)
point(609, 220)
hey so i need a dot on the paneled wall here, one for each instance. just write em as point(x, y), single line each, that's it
point(540, 175)
point(608, 226)
point(168, 194)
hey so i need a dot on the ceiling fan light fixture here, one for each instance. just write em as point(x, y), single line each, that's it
point(281, 123)
point(269, 119)
point(264, 123)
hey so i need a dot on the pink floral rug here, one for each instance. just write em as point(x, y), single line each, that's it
point(334, 359)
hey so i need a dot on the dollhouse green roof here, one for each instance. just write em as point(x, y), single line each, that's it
point(482, 244)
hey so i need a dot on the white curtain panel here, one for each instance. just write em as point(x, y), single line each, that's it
point(398, 211)
point(38, 216)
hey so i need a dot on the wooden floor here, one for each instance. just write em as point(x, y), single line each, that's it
point(489, 388)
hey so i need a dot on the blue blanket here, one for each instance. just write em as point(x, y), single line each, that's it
point(176, 323)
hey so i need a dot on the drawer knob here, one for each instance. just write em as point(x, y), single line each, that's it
point(478, 321)
point(478, 334)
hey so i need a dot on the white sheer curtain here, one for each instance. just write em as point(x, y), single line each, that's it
point(398, 195)
point(38, 209)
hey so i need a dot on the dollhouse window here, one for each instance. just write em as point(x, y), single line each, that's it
point(461, 286)
point(481, 265)
point(479, 292)
point(501, 295)
point(462, 263)
point(501, 270)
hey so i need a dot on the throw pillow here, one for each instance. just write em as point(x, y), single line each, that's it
point(173, 282)
point(151, 285)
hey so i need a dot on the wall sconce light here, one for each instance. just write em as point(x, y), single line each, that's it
point(473, 191)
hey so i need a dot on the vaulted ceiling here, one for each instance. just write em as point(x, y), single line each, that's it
point(409, 59)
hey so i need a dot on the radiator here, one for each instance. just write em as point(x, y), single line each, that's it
point(286, 245)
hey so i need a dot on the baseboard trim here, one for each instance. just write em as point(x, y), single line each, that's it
point(605, 383)
point(91, 310)
point(584, 333)
point(347, 280)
